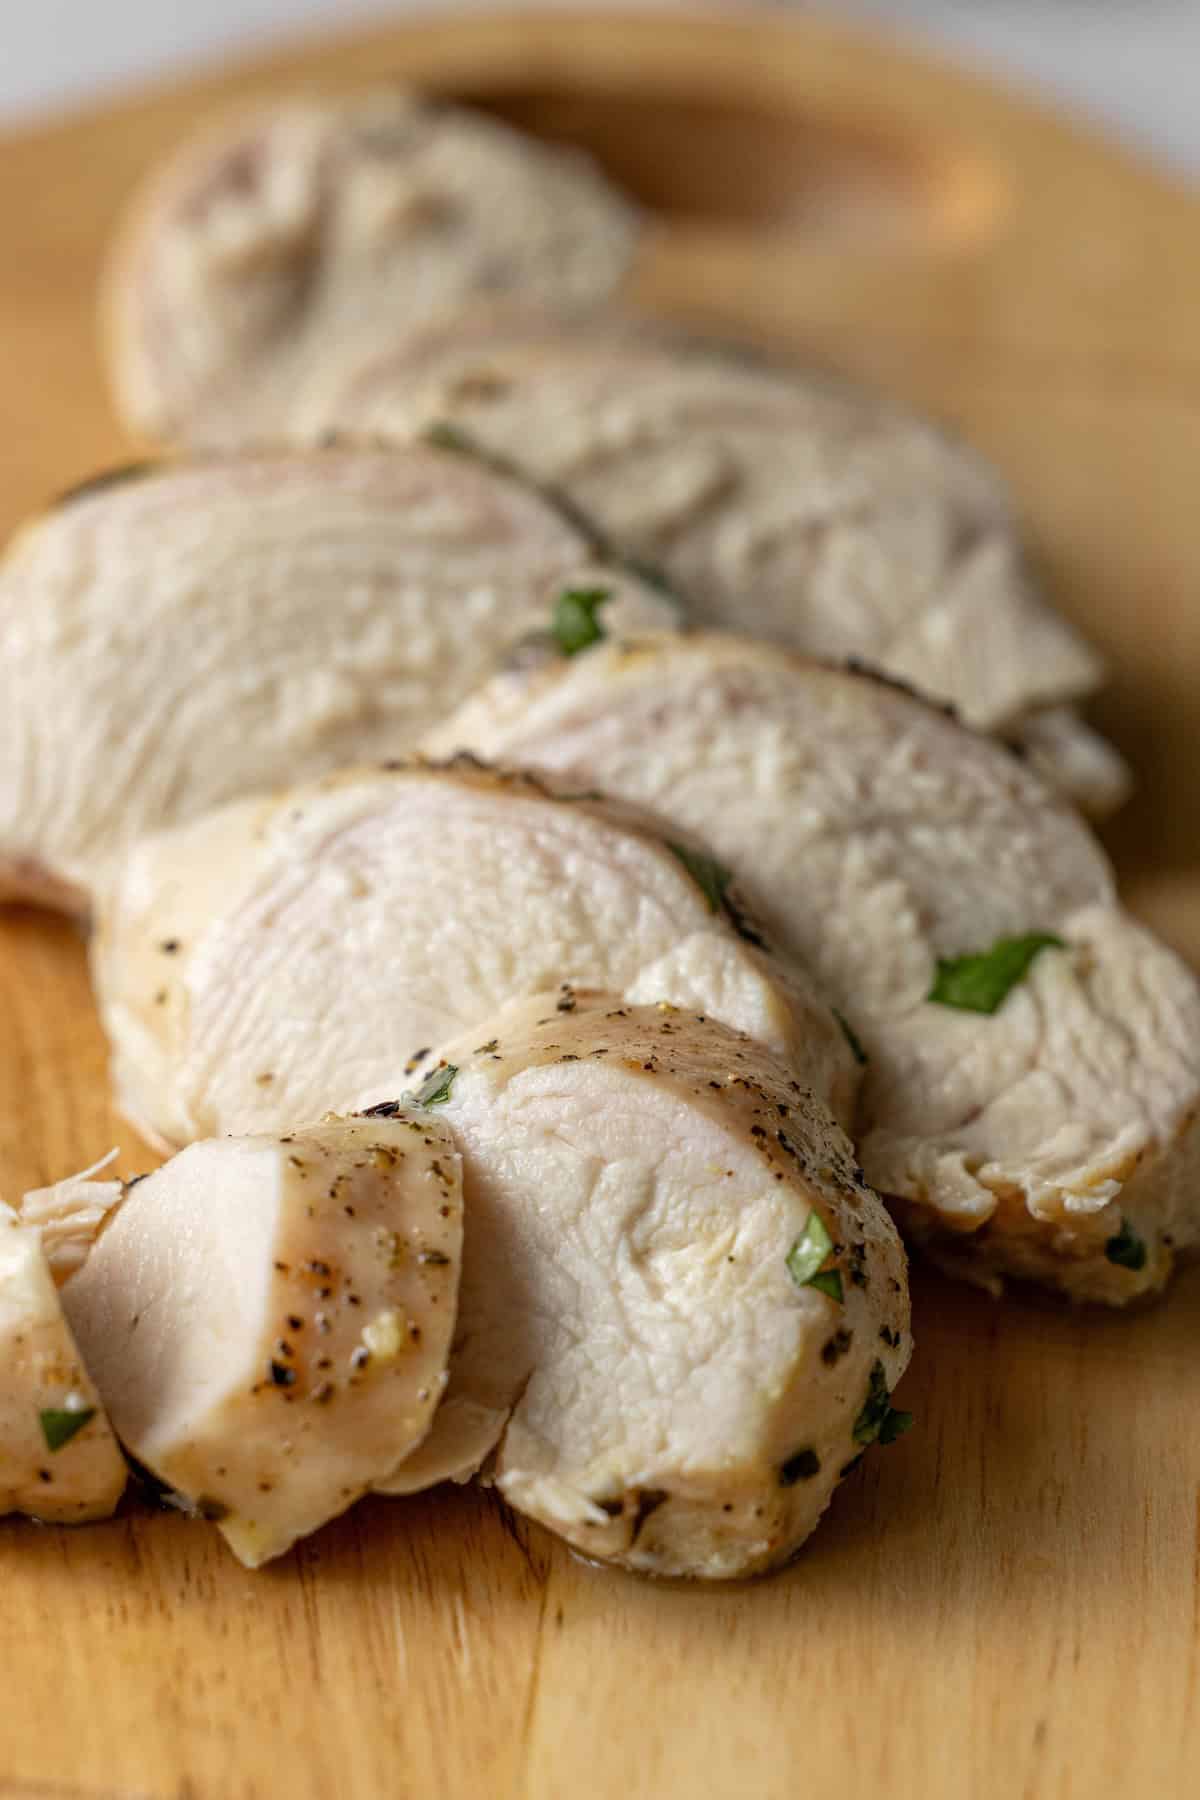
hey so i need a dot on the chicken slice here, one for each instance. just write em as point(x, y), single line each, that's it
point(269, 1319)
point(302, 952)
point(649, 1196)
point(210, 630)
point(782, 505)
point(312, 227)
point(70, 1215)
point(879, 840)
point(59, 1460)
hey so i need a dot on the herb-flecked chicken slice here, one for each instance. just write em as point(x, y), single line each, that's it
point(199, 632)
point(296, 233)
point(269, 1319)
point(779, 503)
point(1031, 1055)
point(59, 1460)
point(284, 956)
point(682, 1310)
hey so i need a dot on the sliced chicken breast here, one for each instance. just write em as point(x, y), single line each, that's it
point(59, 1460)
point(789, 507)
point(311, 228)
point(203, 632)
point(287, 955)
point(1053, 1138)
point(269, 1319)
point(682, 1310)
point(71, 1214)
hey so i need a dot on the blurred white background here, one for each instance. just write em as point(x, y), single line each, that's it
point(1134, 64)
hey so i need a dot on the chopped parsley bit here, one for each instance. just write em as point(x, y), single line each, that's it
point(710, 876)
point(981, 983)
point(60, 1424)
point(435, 1089)
point(1126, 1249)
point(829, 1283)
point(878, 1418)
point(713, 879)
point(575, 626)
point(895, 1426)
point(801, 1467)
point(856, 1050)
point(806, 1255)
point(654, 577)
point(444, 436)
point(107, 478)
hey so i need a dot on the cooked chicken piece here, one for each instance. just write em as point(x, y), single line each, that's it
point(70, 1215)
point(58, 1458)
point(286, 955)
point(269, 1319)
point(1076, 760)
point(649, 1199)
point(309, 228)
point(881, 842)
point(178, 640)
point(779, 504)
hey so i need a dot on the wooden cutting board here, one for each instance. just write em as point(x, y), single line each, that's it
point(1005, 1604)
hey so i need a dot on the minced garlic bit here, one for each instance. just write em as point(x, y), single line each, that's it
point(384, 1336)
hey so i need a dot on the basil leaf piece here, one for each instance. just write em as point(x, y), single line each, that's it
point(436, 1086)
point(1126, 1249)
point(107, 478)
point(710, 876)
point(981, 983)
point(801, 1467)
point(856, 1050)
point(830, 1282)
point(445, 436)
point(809, 1250)
point(59, 1425)
point(894, 1426)
point(806, 1255)
point(878, 1419)
point(575, 625)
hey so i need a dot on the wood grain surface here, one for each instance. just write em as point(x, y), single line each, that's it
point(1006, 1603)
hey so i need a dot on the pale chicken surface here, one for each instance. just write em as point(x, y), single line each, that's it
point(269, 1319)
point(641, 1352)
point(308, 229)
point(59, 1460)
point(198, 632)
point(285, 956)
point(1054, 1138)
point(784, 505)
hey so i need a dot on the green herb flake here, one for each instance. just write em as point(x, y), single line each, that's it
point(107, 478)
point(981, 983)
point(710, 876)
point(445, 436)
point(830, 1282)
point(575, 625)
point(801, 1467)
point(1126, 1249)
point(879, 1420)
point(856, 1050)
point(806, 1255)
point(894, 1426)
point(60, 1424)
point(435, 1089)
